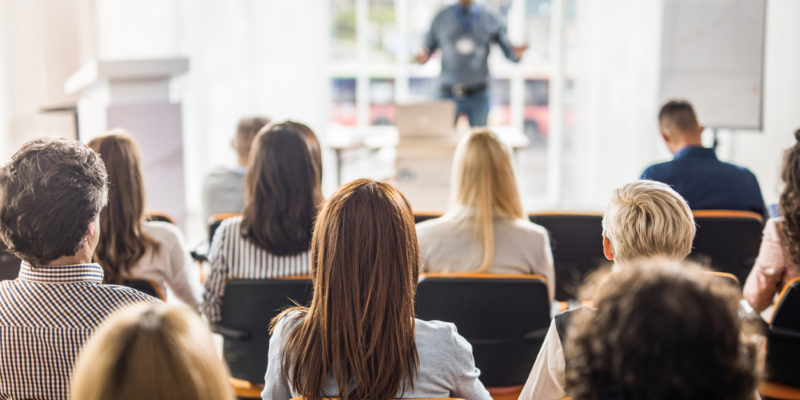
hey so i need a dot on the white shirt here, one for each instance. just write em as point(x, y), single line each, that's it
point(547, 380)
point(520, 247)
point(171, 265)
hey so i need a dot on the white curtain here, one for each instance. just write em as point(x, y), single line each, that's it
point(613, 134)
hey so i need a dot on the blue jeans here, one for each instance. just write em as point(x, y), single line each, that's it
point(475, 106)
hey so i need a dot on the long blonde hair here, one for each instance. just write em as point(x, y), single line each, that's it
point(151, 351)
point(484, 187)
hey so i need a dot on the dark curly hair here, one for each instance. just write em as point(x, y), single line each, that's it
point(661, 330)
point(50, 192)
point(790, 198)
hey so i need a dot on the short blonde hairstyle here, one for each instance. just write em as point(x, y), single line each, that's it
point(151, 351)
point(484, 187)
point(648, 218)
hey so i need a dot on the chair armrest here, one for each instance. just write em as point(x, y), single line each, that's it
point(230, 333)
point(783, 333)
point(196, 256)
point(538, 334)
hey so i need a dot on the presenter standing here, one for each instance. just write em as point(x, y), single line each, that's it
point(463, 33)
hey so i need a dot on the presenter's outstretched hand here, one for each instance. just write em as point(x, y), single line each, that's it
point(519, 51)
point(423, 56)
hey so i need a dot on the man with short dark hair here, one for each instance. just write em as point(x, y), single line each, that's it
point(695, 171)
point(51, 194)
point(223, 188)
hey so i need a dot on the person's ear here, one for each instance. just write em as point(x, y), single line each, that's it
point(93, 230)
point(666, 135)
point(608, 250)
point(700, 129)
point(233, 143)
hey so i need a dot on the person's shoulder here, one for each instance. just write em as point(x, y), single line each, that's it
point(162, 231)
point(739, 169)
point(525, 226)
point(438, 332)
point(433, 225)
point(230, 224)
point(658, 170)
point(287, 321)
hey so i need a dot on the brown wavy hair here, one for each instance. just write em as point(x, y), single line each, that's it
point(662, 329)
point(283, 188)
point(360, 325)
point(790, 198)
point(122, 242)
point(50, 192)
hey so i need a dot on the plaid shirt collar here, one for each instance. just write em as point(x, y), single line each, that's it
point(61, 273)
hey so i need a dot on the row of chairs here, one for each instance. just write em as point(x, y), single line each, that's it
point(504, 317)
point(726, 240)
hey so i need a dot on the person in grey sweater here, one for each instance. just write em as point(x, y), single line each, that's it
point(486, 230)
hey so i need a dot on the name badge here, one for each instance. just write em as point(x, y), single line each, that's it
point(465, 46)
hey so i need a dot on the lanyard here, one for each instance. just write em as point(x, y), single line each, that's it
point(470, 17)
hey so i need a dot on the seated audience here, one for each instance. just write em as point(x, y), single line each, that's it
point(223, 187)
point(486, 230)
point(271, 239)
point(151, 352)
point(695, 172)
point(661, 329)
point(359, 339)
point(778, 258)
point(51, 195)
point(643, 219)
point(129, 247)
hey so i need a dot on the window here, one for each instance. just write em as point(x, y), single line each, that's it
point(373, 45)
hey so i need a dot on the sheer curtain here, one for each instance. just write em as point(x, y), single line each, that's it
point(613, 134)
point(246, 57)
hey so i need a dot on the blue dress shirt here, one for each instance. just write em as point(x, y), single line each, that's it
point(708, 183)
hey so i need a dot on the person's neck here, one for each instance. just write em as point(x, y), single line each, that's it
point(241, 162)
point(687, 142)
point(83, 256)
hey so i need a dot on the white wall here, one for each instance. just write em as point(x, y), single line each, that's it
point(762, 152)
point(250, 56)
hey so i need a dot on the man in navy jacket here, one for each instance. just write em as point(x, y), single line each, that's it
point(695, 171)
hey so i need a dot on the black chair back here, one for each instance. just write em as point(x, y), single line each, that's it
point(247, 309)
point(783, 339)
point(9, 265)
point(146, 287)
point(727, 240)
point(577, 243)
point(505, 320)
point(421, 216)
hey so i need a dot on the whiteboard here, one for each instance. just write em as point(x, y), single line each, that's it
point(712, 55)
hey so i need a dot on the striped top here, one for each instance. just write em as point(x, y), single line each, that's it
point(46, 315)
point(233, 256)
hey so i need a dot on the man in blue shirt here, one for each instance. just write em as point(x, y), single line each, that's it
point(695, 172)
point(463, 33)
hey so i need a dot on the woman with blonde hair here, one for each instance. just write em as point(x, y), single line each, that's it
point(486, 229)
point(130, 247)
point(151, 351)
point(359, 339)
